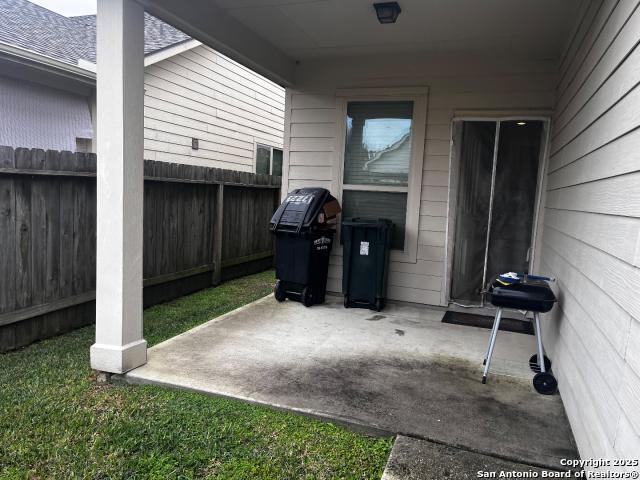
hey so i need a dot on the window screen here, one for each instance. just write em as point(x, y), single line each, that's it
point(263, 159)
point(277, 162)
point(378, 143)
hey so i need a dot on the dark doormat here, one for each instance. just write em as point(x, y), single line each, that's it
point(473, 320)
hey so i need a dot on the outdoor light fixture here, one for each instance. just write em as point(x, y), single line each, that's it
point(521, 123)
point(387, 12)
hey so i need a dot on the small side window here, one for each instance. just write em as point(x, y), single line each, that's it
point(268, 160)
point(83, 145)
point(263, 159)
point(277, 162)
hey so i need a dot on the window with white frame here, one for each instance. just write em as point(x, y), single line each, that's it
point(268, 160)
point(377, 162)
point(83, 145)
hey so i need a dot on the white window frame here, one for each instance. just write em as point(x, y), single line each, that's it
point(419, 97)
point(271, 148)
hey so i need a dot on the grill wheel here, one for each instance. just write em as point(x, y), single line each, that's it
point(545, 383)
point(533, 363)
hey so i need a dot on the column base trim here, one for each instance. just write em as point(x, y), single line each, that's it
point(118, 358)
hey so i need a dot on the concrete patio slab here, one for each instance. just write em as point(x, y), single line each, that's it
point(398, 371)
point(415, 459)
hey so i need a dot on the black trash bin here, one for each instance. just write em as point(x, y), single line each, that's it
point(304, 229)
point(366, 244)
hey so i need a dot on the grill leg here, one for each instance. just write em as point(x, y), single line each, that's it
point(492, 342)
point(493, 329)
point(536, 321)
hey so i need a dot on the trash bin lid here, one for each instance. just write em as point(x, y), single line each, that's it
point(300, 209)
point(371, 222)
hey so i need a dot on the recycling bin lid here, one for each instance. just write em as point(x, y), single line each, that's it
point(300, 209)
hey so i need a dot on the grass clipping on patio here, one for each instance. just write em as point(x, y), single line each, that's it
point(56, 422)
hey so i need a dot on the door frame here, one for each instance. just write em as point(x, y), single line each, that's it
point(454, 168)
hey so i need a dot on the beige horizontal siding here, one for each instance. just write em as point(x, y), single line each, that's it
point(313, 138)
point(591, 237)
point(202, 94)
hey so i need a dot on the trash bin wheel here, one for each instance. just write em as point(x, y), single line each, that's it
point(278, 292)
point(378, 304)
point(545, 383)
point(346, 301)
point(533, 363)
point(305, 295)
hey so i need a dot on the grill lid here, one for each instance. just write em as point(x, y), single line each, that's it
point(535, 295)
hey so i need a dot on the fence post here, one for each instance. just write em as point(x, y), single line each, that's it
point(217, 234)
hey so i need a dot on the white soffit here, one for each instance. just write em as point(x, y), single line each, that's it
point(320, 28)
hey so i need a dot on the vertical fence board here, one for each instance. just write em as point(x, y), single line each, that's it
point(38, 230)
point(52, 222)
point(179, 228)
point(173, 260)
point(218, 237)
point(66, 227)
point(91, 222)
point(161, 197)
point(199, 222)
point(84, 238)
point(66, 245)
point(23, 231)
point(149, 233)
point(7, 234)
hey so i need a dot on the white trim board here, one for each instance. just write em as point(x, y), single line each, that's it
point(170, 51)
point(154, 57)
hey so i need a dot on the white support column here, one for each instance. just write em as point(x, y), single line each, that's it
point(119, 344)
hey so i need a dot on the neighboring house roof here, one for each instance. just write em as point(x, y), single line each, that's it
point(394, 146)
point(69, 39)
point(157, 34)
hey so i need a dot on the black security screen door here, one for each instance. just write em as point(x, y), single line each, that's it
point(495, 203)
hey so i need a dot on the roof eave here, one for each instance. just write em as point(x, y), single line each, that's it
point(170, 51)
point(85, 71)
point(46, 63)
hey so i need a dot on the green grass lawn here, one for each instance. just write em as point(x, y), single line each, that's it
point(57, 422)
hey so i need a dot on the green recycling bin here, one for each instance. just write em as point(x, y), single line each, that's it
point(366, 245)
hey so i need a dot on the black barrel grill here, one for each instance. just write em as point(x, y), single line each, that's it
point(530, 294)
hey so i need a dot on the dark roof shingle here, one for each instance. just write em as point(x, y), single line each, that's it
point(26, 25)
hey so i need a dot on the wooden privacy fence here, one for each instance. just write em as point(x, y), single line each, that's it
point(201, 225)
